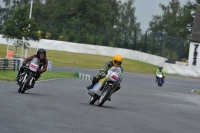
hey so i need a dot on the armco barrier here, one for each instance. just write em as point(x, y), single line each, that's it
point(15, 64)
point(7, 64)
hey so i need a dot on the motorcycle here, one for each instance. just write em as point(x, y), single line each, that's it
point(28, 76)
point(159, 79)
point(103, 90)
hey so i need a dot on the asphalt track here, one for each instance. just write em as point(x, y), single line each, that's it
point(61, 106)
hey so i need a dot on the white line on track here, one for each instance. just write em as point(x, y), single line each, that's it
point(48, 80)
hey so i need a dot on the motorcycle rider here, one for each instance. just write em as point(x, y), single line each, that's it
point(41, 54)
point(160, 69)
point(116, 61)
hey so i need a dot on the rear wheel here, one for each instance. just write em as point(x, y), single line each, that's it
point(26, 84)
point(104, 95)
point(92, 100)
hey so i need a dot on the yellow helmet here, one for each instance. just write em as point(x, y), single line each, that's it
point(117, 60)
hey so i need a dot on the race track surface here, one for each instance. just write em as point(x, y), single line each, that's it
point(140, 106)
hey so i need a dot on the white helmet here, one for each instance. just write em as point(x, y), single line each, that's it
point(160, 67)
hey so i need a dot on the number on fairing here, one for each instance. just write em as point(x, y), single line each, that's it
point(33, 67)
point(114, 77)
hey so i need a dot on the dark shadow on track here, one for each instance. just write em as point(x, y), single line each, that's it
point(96, 106)
point(32, 94)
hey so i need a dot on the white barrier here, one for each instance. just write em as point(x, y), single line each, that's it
point(182, 70)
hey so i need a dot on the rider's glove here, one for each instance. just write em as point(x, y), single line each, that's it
point(24, 64)
point(39, 71)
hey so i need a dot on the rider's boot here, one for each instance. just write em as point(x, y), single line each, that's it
point(18, 75)
point(118, 87)
point(90, 86)
point(94, 81)
point(17, 78)
point(33, 83)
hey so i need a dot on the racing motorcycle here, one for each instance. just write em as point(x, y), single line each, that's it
point(160, 79)
point(28, 76)
point(103, 90)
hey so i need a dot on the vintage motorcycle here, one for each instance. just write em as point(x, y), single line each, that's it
point(103, 90)
point(28, 76)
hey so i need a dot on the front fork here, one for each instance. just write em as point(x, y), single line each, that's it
point(25, 79)
point(32, 79)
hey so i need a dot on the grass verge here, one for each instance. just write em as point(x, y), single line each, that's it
point(11, 75)
point(62, 58)
point(198, 92)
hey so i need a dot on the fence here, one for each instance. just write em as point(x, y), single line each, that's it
point(174, 48)
point(15, 64)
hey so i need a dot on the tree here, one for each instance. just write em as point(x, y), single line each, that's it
point(18, 25)
point(127, 23)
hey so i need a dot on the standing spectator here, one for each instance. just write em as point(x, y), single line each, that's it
point(10, 53)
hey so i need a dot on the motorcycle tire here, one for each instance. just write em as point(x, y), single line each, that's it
point(20, 88)
point(105, 95)
point(92, 100)
point(26, 84)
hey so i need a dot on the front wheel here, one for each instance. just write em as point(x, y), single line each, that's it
point(24, 86)
point(105, 95)
point(159, 82)
point(92, 100)
point(20, 88)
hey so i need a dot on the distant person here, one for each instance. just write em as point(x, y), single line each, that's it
point(41, 54)
point(160, 70)
point(10, 53)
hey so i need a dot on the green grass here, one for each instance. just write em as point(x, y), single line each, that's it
point(62, 58)
point(11, 75)
point(3, 51)
point(198, 92)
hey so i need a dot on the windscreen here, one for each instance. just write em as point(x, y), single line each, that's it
point(35, 61)
point(116, 69)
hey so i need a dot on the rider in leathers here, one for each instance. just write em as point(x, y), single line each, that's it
point(116, 61)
